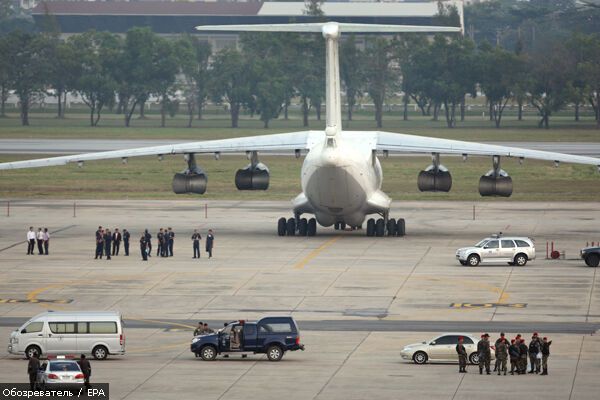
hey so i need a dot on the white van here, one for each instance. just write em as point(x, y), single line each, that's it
point(98, 333)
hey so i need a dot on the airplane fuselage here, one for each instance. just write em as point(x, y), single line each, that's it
point(339, 176)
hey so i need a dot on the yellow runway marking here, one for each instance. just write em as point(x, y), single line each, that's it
point(302, 263)
point(32, 296)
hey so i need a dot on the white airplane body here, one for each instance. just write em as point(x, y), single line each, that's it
point(341, 175)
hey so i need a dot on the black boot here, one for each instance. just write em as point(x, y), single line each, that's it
point(545, 371)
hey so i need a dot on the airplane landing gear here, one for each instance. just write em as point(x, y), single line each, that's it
point(296, 226)
point(381, 228)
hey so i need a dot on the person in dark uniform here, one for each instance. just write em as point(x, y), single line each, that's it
point(462, 356)
point(523, 357)
point(40, 241)
point(86, 368)
point(144, 247)
point(513, 353)
point(535, 359)
point(116, 237)
point(126, 237)
point(210, 239)
point(500, 339)
point(545, 355)
point(160, 240)
point(483, 350)
point(148, 242)
point(32, 370)
point(501, 354)
point(107, 243)
point(170, 236)
point(196, 240)
point(46, 241)
point(99, 243)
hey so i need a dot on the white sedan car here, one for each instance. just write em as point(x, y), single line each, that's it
point(59, 372)
point(442, 349)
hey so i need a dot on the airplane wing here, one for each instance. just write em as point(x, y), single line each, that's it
point(402, 143)
point(278, 142)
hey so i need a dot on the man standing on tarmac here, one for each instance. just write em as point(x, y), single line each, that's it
point(196, 243)
point(32, 369)
point(144, 247)
point(99, 243)
point(535, 346)
point(523, 357)
point(86, 368)
point(497, 362)
point(483, 350)
point(170, 236)
point(210, 238)
point(545, 354)
point(160, 239)
point(462, 356)
point(30, 241)
point(513, 352)
point(126, 236)
point(40, 241)
point(116, 237)
point(107, 243)
point(148, 237)
point(501, 354)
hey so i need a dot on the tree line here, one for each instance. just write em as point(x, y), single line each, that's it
point(266, 72)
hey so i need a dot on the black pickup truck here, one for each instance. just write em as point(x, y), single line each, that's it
point(272, 336)
point(591, 255)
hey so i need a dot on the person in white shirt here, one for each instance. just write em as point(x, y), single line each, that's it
point(30, 240)
point(40, 242)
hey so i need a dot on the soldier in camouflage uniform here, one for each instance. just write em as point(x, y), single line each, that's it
point(462, 356)
point(501, 354)
point(483, 350)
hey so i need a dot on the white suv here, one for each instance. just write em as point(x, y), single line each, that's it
point(498, 249)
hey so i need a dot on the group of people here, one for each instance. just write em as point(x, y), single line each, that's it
point(166, 240)
point(109, 243)
point(42, 237)
point(516, 351)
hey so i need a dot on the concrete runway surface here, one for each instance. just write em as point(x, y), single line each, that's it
point(69, 146)
point(358, 300)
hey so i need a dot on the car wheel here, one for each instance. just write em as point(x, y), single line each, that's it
point(274, 352)
point(420, 357)
point(592, 260)
point(208, 353)
point(474, 358)
point(473, 260)
point(33, 350)
point(521, 260)
point(100, 353)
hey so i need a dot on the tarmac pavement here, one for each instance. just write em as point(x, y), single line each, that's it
point(358, 300)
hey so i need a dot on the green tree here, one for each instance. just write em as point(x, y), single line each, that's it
point(551, 83)
point(498, 78)
point(352, 72)
point(26, 52)
point(164, 70)
point(230, 81)
point(194, 63)
point(5, 72)
point(586, 53)
point(63, 70)
point(381, 77)
point(97, 53)
point(406, 50)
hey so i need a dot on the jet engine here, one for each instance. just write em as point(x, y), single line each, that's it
point(496, 182)
point(435, 178)
point(192, 180)
point(189, 183)
point(252, 177)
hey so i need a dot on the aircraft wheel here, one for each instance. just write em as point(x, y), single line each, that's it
point(391, 227)
point(291, 227)
point(311, 227)
point(371, 227)
point(379, 228)
point(401, 227)
point(342, 226)
point(281, 226)
point(302, 227)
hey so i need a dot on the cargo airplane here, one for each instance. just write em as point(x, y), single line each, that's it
point(341, 174)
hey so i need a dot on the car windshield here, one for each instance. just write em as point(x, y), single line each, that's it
point(64, 366)
point(482, 243)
